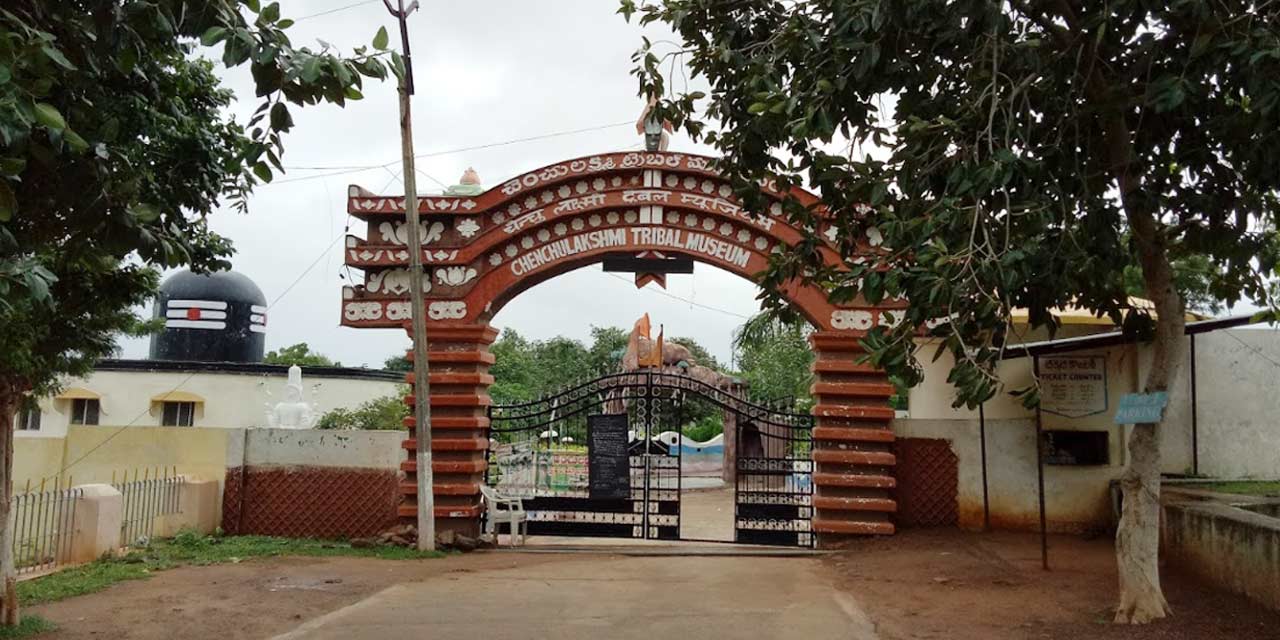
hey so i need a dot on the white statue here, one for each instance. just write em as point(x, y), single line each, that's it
point(293, 413)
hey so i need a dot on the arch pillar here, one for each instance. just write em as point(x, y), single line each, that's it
point(458, 369)
point(852, 441)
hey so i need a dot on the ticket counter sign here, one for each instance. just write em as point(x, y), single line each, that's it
point(1073, 386)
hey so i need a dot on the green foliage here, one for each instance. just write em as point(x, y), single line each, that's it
point(705, 427)
point(994, 155)
point(379, 414)
point(115, 146)
point(608, 345)
point(398, 363)
point(1243, 487)
point(516, 376)
point(188, 548)
point(301, 355)
point(700, 354)
point(524, 370)
point(774, 357)
point(29, 626)
point(1192, 277)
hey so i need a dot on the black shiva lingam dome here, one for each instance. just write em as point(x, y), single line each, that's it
point(210, 317)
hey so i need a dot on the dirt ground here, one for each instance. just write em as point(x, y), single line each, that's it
point(614, 597)
point(962, 586)
point(707, 514)
point(918, 584)
point(254, 599)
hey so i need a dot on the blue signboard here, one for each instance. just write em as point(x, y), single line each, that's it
point(1141, 408)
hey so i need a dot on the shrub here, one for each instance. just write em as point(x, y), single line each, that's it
point(379, 414)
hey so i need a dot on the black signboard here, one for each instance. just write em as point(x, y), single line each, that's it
point(608, 459)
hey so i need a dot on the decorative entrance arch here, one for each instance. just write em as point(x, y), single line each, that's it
point(483, 250)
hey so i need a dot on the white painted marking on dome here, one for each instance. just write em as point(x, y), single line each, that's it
point(196, 304)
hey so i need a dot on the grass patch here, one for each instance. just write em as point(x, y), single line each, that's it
point(1243, 487)
point(192, 549)
point(30, 626)
point(86, 578)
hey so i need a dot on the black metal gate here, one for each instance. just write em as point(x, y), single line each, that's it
point(540, 451)
point(773, 484)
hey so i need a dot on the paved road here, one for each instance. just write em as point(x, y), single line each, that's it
point(604, 596)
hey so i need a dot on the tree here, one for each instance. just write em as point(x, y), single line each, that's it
point(301, 355)
point(980, 156)
point(515, 374)
point(114, 149)
point(608, 344)
point(524, 369)
point(559, 362)
point(397, 363)
point(1192, 278)
point(774, 358)
point(700, 354)
point(380, 414)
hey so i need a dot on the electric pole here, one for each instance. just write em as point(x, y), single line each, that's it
point(421, 382)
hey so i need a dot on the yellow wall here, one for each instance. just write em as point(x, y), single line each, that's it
point(92, 454)
point(35, 459)
point(198, 452)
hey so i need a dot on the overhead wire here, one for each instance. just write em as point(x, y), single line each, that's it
point(191, 375)
point(335, 10)
point(338, 170)
point(356, 169)
point(1252, 348)
point(682, 299)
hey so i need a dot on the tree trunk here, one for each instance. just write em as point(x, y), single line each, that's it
point(1138, 536)
point(10, 397)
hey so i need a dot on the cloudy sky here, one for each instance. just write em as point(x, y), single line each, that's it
point(487, 72)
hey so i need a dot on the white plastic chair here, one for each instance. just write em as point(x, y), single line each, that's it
point(505, 509)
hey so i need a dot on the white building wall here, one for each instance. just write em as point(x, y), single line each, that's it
point(1076, 498)
point(1175, 431)
point(932, 399)
point(317, 448)
point(231, 400)
point(1238, 428)
point(1239, 403)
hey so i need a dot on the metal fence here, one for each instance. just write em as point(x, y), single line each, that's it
point(144, 501)
point(44, 523)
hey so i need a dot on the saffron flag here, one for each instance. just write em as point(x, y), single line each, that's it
point(655, 352)
point(642, 327)
point(633, 342)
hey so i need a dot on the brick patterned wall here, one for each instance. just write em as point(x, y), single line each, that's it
point(928, 483)
point(309, 502)
point(231, 501)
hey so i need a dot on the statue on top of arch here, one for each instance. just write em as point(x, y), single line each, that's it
point(656, 134)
